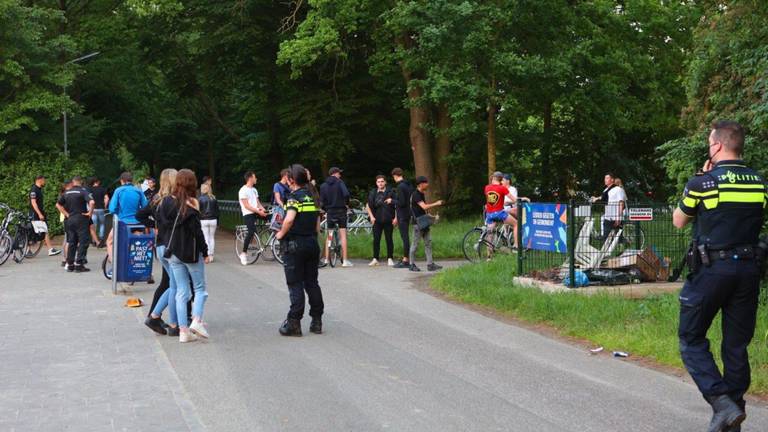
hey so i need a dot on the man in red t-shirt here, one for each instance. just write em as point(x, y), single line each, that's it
point(494, 202)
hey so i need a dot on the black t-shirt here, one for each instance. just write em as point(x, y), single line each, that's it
point(306, 210)
point(75, 201)
point(36, 194)
point(98, 193)
point(416, 198)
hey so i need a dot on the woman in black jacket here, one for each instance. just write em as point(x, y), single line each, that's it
point(209, 217)
point(381, 211)
point(149, 217)
point(187, 254)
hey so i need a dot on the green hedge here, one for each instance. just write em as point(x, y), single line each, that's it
point(17, 177)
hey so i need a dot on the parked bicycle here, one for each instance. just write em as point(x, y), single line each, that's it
point(6, 240)
point(24, 242)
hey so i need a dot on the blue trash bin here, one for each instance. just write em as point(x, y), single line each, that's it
point(135, 251)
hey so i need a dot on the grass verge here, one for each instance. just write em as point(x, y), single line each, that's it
point(646, 327)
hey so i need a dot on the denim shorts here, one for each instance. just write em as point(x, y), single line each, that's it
point(499, 216)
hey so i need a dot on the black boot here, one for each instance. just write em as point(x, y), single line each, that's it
point(291, 327)
point(726, 414)
point(743, 405)
point(316, 326)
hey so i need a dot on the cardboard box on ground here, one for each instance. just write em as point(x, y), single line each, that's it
point(646, 261)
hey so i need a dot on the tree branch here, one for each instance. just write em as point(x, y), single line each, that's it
point(288, 23)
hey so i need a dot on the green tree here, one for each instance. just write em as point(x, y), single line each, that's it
point(33, 72)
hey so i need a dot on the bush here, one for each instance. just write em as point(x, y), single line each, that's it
point(18, 175)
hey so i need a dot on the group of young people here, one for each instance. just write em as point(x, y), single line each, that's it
point(387, 207)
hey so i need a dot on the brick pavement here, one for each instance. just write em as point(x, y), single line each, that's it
point(73, 358)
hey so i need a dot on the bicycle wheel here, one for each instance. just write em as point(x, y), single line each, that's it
point(269, 249)
point(277, 255)
point(485, 250)
point(20, 245)
point(35, 243)
point(239, 239)
point(254, 248)
point(335, 249)
point(6, 246)
point(470, 244)
point(106, 267)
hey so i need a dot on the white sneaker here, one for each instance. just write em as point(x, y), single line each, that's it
point(187, 336)
point(53, 251)
point(323, 262)
point(198, 328)
point(243, 258)
point(347, 264)
point(374, 262)
point(390, 263)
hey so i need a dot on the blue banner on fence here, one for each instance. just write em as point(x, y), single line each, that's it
point(545, 227)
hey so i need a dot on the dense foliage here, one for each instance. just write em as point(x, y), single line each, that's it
point(725, 78)
point(555, 91)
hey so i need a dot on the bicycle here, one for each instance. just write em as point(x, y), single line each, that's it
point(6, 241)
point(479, 242)
point(19, 233)
point(333, 242)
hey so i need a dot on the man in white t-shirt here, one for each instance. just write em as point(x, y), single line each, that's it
point(510, 203)
point(614, 209)
point(251, 209)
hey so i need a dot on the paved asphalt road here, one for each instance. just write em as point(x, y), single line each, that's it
point(395, 358)
point(392, 358)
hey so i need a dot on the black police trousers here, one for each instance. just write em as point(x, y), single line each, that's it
point(301, 259)
point(733, 287)
point(404, 225)
point(78, 238)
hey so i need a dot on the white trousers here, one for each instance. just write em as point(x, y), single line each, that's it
point(209, 231)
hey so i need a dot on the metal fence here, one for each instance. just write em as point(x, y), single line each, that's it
point(562, 241)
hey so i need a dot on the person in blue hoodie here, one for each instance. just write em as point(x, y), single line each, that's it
point(334, 197)
point(126, 201)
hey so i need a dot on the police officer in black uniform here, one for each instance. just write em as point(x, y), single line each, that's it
point(77, 205)
point(301, 253)
point(726, 202)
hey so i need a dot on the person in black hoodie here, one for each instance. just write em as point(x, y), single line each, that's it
point(403, 214)
point(187, 254)
point(334, 197)
point(381, 211)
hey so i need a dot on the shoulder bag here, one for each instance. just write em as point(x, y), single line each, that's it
point(424, 221)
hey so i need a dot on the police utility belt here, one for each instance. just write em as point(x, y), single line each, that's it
point(701, 255)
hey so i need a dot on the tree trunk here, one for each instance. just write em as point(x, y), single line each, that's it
point(211, 161)
point(442, 151)
point(421, 146)
point(492, 110)
point(420, 142)
point(546, 152)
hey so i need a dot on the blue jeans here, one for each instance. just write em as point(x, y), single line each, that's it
point(99, 218)
point(182, 272)
point(162, 303)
